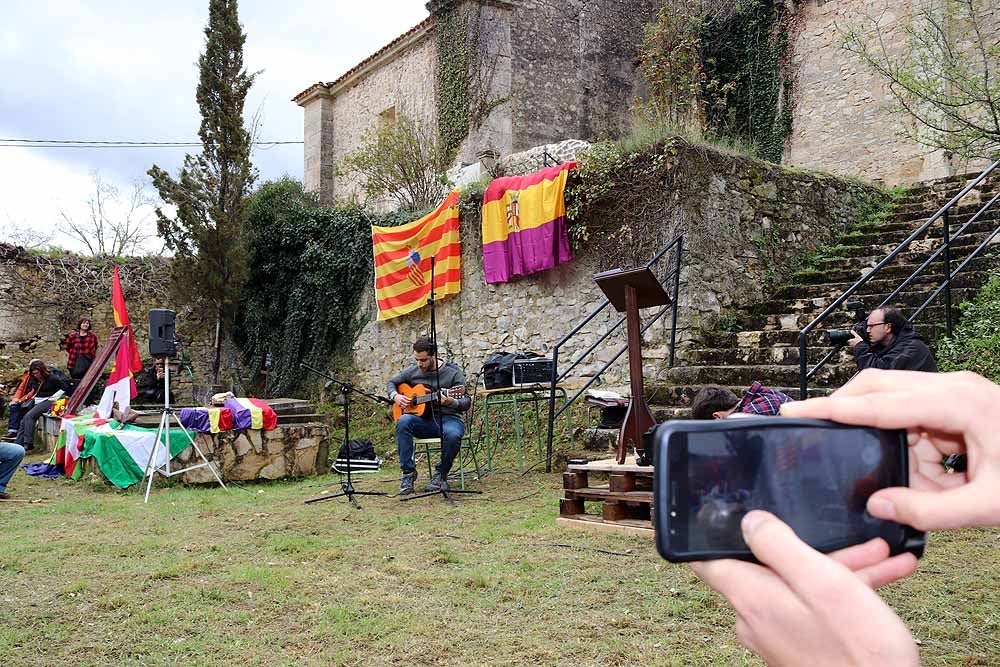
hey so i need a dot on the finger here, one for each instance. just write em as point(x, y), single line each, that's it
point(776, 546)
point(888, 571)
point(731, 578)
point(918, 409)
point(862, 555)
point(974, 504)
point(876, 380)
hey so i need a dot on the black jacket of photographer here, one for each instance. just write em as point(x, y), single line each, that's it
point(906, 352)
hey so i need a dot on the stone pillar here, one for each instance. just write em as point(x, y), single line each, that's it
point(318, 149)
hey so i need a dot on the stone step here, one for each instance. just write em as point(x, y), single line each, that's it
point(850, 274)
point(888, 242)
point(680, 395)
point(912, 297)
point(305, 418)
point(831, 375)
point(848, 257)
point(836, 320)
point(987, 218)
point(749, 338)
point(290, 406)
point(754, 355)
point(926, 208)
point(973, 276)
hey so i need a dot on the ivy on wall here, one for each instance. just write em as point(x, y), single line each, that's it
point(721, 68)
point(309, 266)
point(453, 50)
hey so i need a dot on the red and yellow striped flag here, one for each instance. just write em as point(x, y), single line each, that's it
point(403, 260)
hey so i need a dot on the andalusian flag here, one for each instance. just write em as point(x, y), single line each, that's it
point(403, 260)
point(121, 320)
point(524, 224)
point(121, 383)
point(121, 452)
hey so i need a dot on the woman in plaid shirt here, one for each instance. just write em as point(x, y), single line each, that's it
point(81, 346)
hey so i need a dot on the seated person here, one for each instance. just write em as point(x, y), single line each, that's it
point(22, 400)
point(717, 402)
point(48, 383)
point(892, 344)
point(10, 458)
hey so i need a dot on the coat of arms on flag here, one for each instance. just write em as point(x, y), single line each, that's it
point(403, 258)
point(524, 224)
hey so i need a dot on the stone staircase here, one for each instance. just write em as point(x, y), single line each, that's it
point(764, 343)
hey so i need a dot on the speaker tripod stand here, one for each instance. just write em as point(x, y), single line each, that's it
point(154, 464)
point(346, 483)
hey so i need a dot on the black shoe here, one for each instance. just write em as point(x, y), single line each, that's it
point(4, 496)
point(406, 483)
point(437, 483)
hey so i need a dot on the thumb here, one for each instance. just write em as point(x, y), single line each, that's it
point(937, 510)
point(776, 545)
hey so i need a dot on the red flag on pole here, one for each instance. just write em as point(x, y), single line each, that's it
point(121, 320)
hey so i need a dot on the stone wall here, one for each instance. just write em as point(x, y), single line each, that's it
point(743, 221)
point(842, 119)
point(41, 300)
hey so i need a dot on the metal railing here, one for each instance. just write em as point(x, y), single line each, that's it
point(673, 276)
point(943, 251)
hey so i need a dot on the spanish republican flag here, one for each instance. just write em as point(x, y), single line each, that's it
point(524, 224)
point(403, 260)
point(121, 320)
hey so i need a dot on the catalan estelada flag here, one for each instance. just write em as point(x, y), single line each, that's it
point(524, 224)
point(403, 260)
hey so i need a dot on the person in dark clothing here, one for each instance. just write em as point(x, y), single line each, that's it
point(48, 383)
point(716, 402)
point(892, 344)
point(81, 348)
point(426, 370)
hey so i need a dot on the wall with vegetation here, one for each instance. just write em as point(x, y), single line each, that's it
point(43, 296)
point(745, 224)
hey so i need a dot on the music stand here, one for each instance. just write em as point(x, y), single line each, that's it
point(346, 485)
point(629, 290)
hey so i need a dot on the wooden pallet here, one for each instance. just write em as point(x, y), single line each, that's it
point(626, 499)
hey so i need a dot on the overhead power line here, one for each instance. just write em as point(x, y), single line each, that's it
point(79, 143)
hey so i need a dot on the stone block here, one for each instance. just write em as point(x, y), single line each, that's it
point(276, 469)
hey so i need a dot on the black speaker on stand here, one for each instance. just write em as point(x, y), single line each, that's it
point(162, 326)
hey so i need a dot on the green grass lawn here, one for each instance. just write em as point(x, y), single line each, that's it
point(200, 576)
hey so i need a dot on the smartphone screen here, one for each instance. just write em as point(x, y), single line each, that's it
point(816, 476)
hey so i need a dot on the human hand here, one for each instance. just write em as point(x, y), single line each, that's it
point(945, 414)
point(802, 607)
point(401, 400)
point(854, 340)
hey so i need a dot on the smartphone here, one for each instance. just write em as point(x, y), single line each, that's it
point(815, 475)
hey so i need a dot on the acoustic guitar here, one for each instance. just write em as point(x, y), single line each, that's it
point(420, 395)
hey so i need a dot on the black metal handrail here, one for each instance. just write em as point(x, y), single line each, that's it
point(673, 276)
point(805, 374)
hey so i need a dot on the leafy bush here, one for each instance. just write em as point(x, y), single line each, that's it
point(308, 271)
point(975, 343)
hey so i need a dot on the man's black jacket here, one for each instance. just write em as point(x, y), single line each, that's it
point(906, 352)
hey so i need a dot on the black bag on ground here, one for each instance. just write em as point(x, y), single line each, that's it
point(360, 449)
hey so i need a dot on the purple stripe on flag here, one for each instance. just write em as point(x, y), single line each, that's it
point(196, 419)
point(526, 252)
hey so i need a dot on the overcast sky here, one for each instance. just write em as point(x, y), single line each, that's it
point(126, 70)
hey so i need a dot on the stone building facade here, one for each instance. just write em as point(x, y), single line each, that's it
point(843, 120)
point(541, 71)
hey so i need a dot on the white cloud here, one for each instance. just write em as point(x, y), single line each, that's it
point(115, 69)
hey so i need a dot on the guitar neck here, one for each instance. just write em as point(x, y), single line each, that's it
point(427, 398)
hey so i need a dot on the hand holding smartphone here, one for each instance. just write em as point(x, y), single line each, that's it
point(814, 475)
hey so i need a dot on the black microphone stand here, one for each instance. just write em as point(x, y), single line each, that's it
point(436, 406)
point(346, 484)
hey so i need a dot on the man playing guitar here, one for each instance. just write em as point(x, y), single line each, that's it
point(425, 371)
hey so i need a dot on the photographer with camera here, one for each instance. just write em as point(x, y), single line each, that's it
point(891, 343)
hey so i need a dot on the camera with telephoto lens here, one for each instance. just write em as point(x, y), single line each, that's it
point(841, 336)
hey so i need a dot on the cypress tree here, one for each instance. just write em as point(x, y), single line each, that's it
point(205, 231)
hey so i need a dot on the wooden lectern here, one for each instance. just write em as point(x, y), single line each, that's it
point(628, 290)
